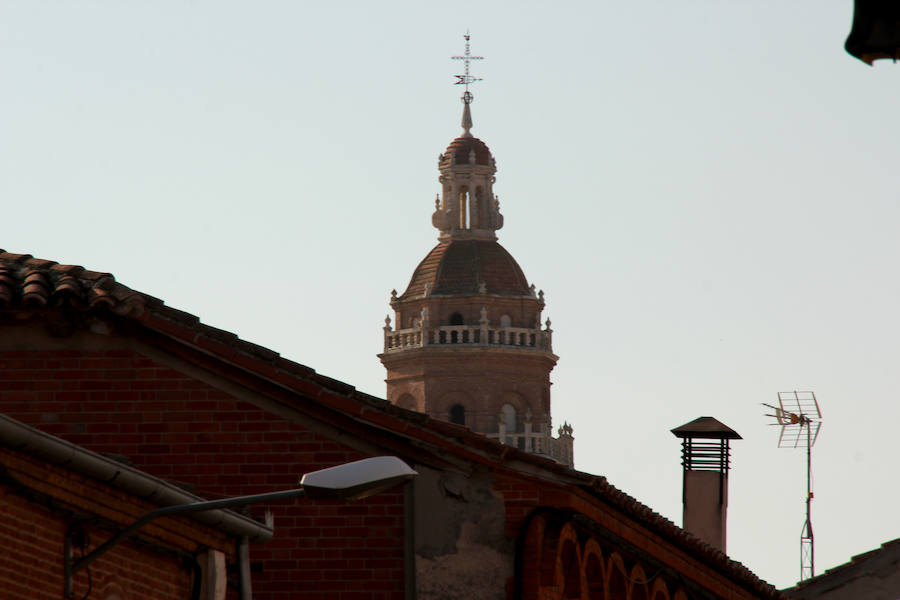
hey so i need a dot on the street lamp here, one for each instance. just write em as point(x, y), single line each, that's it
point(350, 481)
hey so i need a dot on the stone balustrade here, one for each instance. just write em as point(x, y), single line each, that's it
point(468, 335)
point(559, 449)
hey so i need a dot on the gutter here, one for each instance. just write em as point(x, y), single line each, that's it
point(24, 438)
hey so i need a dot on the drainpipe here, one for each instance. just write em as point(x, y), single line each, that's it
point(243, 558)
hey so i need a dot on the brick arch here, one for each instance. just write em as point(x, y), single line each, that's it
point(560, 562)
point(559, 558)
point(112, 590)
point(593, 571)
point(638, 584)
point(522, 404)
point(530, 556)
point(616, 578)
point(408, 402)
point(452, 397)
point(569, 570)
point(554, 541)
point(659, 590)
point(514, 399)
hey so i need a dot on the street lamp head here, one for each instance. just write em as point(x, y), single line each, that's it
point(356, 480)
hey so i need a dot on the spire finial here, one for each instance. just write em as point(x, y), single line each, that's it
point(467, 120)
point(465, 79)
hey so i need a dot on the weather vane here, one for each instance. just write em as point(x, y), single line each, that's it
point(466, 79)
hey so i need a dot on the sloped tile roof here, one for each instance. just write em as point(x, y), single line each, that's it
point(30, 282)
point(863, 569)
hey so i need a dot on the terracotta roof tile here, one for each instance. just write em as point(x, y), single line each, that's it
point(37, 283)
point(461, 147)
point(458, 267)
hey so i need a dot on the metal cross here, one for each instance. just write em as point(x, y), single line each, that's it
point(466, 79)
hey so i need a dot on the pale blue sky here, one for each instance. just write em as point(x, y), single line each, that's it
point(707, 192)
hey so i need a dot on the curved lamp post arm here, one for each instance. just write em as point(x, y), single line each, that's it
point(73, 567)
point(350, 481)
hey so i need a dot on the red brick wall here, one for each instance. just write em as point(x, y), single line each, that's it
point(181, 429)
point(31, 560)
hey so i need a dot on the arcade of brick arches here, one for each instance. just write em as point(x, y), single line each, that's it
point(560, 558)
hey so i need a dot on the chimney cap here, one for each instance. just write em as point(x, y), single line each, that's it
point(706, 428)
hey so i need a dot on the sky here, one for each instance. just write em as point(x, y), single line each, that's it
point(706, 191)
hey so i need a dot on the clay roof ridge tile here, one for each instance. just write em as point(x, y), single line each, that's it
point(35, 289)
point(294, 368)
point(68, 291)
point(98, 297)
point(375, 402)
point(179, 316)
point(255, 350)
point(13, 258)
point(7, 286)
point(414, 416)
point(121, 292)
point(219, 335)
point(67, 269)
point(95, 275)
point(39, 263)
point(129, 302)
point(333, 385)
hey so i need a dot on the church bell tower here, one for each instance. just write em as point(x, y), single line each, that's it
point(467, 343)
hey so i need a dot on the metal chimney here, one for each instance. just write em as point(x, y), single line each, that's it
point(705, 457)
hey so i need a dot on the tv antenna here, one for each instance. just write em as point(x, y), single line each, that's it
point(800, 419)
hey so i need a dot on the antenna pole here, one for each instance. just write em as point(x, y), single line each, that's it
point(807, 546)
point(796, 411)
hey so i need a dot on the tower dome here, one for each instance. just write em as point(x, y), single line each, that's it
point(460, 151)
point(468, 267)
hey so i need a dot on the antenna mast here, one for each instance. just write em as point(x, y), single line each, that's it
point(800, 419)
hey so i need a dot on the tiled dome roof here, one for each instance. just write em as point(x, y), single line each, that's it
point(460, 149)
point(458, 267)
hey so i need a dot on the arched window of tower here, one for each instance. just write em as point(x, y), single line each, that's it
point(509, 417)
point(456, 319)
point(463, 212)
point(505, 321)
point(475, 209)
point(458, 414)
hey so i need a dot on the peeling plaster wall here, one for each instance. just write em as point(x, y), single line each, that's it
point(461, 548)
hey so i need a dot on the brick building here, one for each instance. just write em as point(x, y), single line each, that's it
point(54, 493)
point(89, 360)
